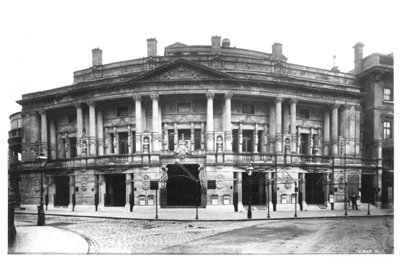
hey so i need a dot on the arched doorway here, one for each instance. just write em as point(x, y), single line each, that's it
point(182, 188)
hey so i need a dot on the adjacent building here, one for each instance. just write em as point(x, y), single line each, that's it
point(214, 126)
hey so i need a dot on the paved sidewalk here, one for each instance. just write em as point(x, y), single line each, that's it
point(209, 214)
point(33, 239)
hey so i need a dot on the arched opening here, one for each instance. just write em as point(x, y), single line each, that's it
point(182, 189)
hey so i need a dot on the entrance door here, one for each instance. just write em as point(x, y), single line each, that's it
point(367, 193)
point(61, 197)
point(182, 190)
point(115, 190)
point(256, 185)
point(314, 188)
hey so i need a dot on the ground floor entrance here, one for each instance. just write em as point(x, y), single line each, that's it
point(314, 185)
point(253, 186)
point(183, 186)
point(61, 196)
point(115, 190)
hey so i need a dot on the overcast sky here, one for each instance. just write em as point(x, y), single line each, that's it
point(43, 42)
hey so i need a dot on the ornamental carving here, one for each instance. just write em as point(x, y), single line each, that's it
point(210, 95)
point(220, 182)
point(180, 73)
point(210, 136)
point(146, 182)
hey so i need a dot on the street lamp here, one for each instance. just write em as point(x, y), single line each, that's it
point(42, 161)
point(268, 181)
point(250, 170)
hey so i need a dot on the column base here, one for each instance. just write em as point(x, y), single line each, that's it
point(70, 208)
point(127, 208)
point(304, 205)
point(241, 207)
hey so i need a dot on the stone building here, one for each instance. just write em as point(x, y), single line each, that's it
point(216, 126)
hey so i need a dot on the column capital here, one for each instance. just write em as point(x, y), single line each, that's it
point(42, 111)
point(154, 96)
point(294, 100)
point(137, 97)
point(228, 95)
point(78, 104)
point(278, 99)
point(376, 76)
point(91, 103)
point(334, 106)
point(210, 95)
point(347, 106)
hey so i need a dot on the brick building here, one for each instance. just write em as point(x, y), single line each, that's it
point(196, 120)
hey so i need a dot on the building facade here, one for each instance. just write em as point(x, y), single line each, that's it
point(213, 126)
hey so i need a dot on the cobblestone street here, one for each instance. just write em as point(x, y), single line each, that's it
point(135, 236)
point(358, 235)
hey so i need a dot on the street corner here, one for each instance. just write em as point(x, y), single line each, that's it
point(32, 239)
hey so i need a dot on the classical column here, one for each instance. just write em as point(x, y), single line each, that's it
point(357, 130)
point(352, 131)
point(71, 192)
point(268, 190)
point(191, 136)
point(79, 129)
point(116, 141)
point(128, 190)
point(43, 132)
point(240, 145)
point(202, 136)
point(272, 126)
point(286, 119)
point(334, 129)
point(130, 148)
point(67, 150)
point(293, 103)
point(326, 132)
point(255, 139)
point(240, 191)
point(102, 190)
point(92, 129)
point(100, 136)
point(303, 190)
point(53, 136)
point(156, 133)
point(138, 122)
point(228, 122)
point(210, 121)
point(278, 121)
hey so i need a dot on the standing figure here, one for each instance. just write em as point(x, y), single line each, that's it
point(353, 199)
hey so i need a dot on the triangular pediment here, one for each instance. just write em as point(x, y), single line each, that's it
point(182, 70)
point(177, 45)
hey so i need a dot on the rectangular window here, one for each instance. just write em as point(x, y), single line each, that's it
point(387, 94)
point(235, 139)
point(184, 108)
point(123, 143)
point(304, 113)
point(134, 141)
point(197, 139)
point(304, 144)
point(72, 147)
point(122, 111)
point(247, 142)
point(387, 129)
point(260, 140)
point(211, 184)
point(171, 143)
point(247, 109)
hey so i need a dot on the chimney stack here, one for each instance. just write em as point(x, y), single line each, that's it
point(358, 57)
point(151, 47)
point(97, 57)
point(276, 51)
point(215, 44)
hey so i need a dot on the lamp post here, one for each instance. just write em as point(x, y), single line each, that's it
point(268, 179)
point(295, 202)
point(42, 161)
point(250, 170)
